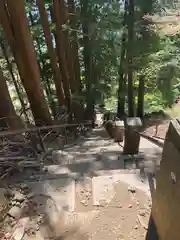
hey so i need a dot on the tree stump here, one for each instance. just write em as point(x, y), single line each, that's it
point(119, 131)
point(110, 126)
point(132, 137)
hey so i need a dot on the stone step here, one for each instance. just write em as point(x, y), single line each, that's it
point(103, 190)
point(100, 190)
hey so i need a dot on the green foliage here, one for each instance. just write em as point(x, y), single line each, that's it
point(155, 55)
point(163, 70)
point(153, 102)
point(111, 103)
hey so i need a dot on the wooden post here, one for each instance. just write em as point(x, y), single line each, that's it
point(132, 137)
point(166, 199)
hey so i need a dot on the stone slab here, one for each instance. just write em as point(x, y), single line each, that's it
point(103, 190)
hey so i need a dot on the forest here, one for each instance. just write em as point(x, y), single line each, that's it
point(61, 63)
point(58, 56)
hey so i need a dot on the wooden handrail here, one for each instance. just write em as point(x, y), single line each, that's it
point(35, 129)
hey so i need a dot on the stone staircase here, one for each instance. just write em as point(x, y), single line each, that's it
point(93, 186)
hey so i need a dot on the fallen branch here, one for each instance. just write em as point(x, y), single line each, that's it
point(17, 144)
point(6, 173)
point(28, 164)
point(18, 167)
point(16, 158)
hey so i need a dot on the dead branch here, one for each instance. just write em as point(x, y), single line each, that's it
point(141, 222)
point(6, 173)
point(16, 158)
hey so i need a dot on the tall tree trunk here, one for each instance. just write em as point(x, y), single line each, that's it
point(51, 51)
point(47, 86)
point(122, 72)
point(121, 96)
point(87, 55)
point(45, 79)
point(74, 43)
point(130, 26)
point(5, 22)
point(122, 84)
point(71, 51)
point(61, 52)
point(145, 35)
point(8, 117)
point(14, 80)
point(63, 11)
point(140, 106)
point(15, 25)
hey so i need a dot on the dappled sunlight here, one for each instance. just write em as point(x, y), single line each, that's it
point(89, 97)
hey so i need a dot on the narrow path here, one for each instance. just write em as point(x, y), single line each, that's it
point(94, 188)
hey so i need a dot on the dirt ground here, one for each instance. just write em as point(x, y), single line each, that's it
point(125, 217)
point(157, 129)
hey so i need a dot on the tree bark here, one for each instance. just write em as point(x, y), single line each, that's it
point(14, 80)
point(8, 117)
point(74, 43)
point(61, 52)
point(63, 11)
point(87, 55)
point(51, 51)
point(130, 26)
point(16, 27)
point(122, 71)
point(140, 106)
point(45, 79)
point(121, 96)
